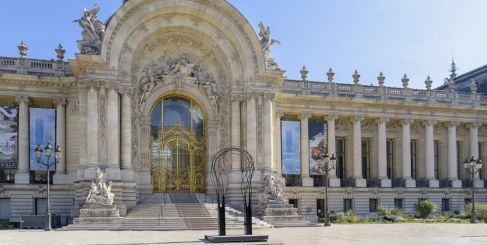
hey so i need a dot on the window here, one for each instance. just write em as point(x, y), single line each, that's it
point(437, 158)
point(8, 142)
point(373, 203)
point(320, 208)
point(347, 204)
point(40, 206)
point(42, 130)
point(445, 205)
point(459, 159)
point(398, 203)
point(340, 155)
point(294, 202)
point(291, 147)
point(390, 158)
point(414, 158)
point(317, 142)
point(366, 158)
point(7, 175)
point(4, 208)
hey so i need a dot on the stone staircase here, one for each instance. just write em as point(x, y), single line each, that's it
point(174, 211)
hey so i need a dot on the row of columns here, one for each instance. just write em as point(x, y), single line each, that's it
point(248, 106)
point(115, 136)
point(22, 173)
point(382, 152)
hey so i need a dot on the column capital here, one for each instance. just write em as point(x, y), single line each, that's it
point(269, 96)
point(474, 124)
point(279, 114)
point(382, 119)
point(92, 84)
point(304, 115)
point(331, 116)
point(358, 117)
point(250, 96)
point(128, 91)
point(407, 120)
point(430, 122)
point(60, 101)
point(22, 99)
point(238, 98)
point(452, 124)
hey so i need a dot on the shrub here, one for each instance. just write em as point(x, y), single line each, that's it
point(481, 210)
point(425, 207)
point(382, 211)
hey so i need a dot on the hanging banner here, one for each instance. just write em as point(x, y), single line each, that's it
point(42, 130)
point(8, 137)
point(318, 139)
point(291, 147)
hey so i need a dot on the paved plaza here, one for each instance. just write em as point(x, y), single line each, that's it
point(337, 234)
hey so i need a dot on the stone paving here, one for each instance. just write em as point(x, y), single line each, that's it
point(376, 234)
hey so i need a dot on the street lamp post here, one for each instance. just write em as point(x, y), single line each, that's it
point(48, 163)
point(324, 164)
point(473, 166)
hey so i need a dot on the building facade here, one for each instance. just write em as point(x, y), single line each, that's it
point(163, 85)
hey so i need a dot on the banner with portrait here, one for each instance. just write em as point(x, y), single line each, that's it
point(42, 130)
point(291, 147)
point(8, 137)
point(318, 140)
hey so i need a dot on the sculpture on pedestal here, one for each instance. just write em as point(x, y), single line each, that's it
point(100, 193)
point(266, 42)
point(93, 32)
point(271, 192)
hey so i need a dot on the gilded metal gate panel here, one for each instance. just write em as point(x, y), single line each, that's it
point(181, 166)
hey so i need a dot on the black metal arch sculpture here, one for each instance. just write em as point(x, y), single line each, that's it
point(220, 168)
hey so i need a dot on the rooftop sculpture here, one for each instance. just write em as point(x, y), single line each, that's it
point(93, 32)
point(266, 42)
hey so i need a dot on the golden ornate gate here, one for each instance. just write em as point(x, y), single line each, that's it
point(181, 165)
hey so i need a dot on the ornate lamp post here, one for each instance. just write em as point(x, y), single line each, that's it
point(473, 166)
point(324, 164)
point(48, 163)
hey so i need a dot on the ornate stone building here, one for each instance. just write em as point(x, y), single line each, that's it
point(162, 85)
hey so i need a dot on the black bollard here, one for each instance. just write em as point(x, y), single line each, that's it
point(221, 218)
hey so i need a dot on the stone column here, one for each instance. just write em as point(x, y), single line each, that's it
point(92, 126)
point(430, 153)
point(252, 128)
point(406, 153)
point(22, 174)
point(126, 136)
point(452, 155)
point(113, 128)
point(60, 175)
point(267, 131)
point(236, 131)
point(474, 150)
point(305, 179)
point(277, 142)
point(330, 119)
point(357, 151)
point(382, 152)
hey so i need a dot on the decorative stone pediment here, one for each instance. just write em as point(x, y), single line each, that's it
point(181, 71)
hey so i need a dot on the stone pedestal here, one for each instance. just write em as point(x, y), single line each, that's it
point(101, 215)
point(360, 183)
point(22, 178)
point(434, 183)
point(334, 182)
point(410, 183)
point(284, 215)
point(307, 182)
point(478, 183)
point(456, 183)
point(385, 183)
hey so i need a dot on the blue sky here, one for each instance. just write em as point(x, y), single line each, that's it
point(413, 37)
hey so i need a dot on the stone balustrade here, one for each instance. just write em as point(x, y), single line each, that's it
point(53, 68)
point(382, 92)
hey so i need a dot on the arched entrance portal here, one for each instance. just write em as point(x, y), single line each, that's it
point(178, 146)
